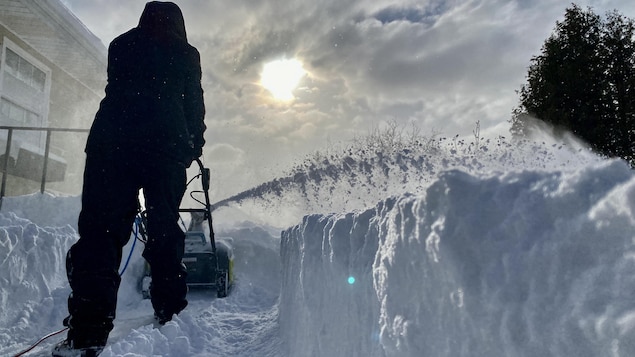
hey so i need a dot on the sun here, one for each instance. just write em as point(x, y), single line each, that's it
point(281, 77)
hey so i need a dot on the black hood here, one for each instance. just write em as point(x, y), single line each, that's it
point(163, 19)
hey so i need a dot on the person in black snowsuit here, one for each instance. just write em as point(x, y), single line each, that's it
point(147, 131)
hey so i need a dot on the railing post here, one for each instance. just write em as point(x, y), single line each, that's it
point(47, 149)
point(5, 165)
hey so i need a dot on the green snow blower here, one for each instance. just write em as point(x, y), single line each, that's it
point(209, 261)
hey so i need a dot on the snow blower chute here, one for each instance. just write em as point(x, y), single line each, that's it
point(209, 261)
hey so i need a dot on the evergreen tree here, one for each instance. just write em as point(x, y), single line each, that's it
point(620, 63)
point(583, 82)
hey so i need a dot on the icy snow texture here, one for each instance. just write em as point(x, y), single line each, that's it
point(31, 259)
point(521, 264)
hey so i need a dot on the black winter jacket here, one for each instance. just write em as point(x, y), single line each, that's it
point(154, 100)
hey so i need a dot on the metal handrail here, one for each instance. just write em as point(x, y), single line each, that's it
point(47, 148)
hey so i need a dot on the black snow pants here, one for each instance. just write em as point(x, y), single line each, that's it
point(109, 206)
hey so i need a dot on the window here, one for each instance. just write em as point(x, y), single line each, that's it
point(17, 115)
point(24, 93)
point(25, 71)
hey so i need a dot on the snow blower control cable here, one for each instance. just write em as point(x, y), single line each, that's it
point(137, 224)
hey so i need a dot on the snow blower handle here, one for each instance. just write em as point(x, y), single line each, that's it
point(205, 179)
point(205, 175)
point(205, 182)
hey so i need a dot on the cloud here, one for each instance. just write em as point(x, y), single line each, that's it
point(443, 64)
point(225, 153)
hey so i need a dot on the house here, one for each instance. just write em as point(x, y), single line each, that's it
point(52, 75)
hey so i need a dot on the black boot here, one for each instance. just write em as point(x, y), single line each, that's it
point(67, 348)
point(87, 343)
point(168, 296)
point(88, 328)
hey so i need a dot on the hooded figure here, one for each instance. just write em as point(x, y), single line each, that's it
point(147, 131)
point(154, 101)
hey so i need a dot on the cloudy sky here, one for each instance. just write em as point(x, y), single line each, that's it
point(441, 64)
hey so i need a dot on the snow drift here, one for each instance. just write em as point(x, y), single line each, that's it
point(529, 263)
point(31, 259)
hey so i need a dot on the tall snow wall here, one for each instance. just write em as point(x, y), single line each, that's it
point(532, 263)
point(32, 269)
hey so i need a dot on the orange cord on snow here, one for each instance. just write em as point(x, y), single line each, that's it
point(40, 341)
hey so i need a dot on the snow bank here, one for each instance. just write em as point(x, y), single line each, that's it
point(32, 268)
point(36, 231)
point(529, 263)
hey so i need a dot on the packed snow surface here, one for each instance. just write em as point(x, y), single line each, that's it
point(444, 250)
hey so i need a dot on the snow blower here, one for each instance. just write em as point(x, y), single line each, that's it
point(209, 261)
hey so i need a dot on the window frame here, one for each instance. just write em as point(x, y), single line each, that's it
point(43, 111)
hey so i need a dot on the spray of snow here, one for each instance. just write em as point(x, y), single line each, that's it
point(362, 174)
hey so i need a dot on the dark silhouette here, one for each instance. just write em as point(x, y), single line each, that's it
point(147, 131)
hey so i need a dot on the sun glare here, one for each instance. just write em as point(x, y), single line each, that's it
point(281, 77)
